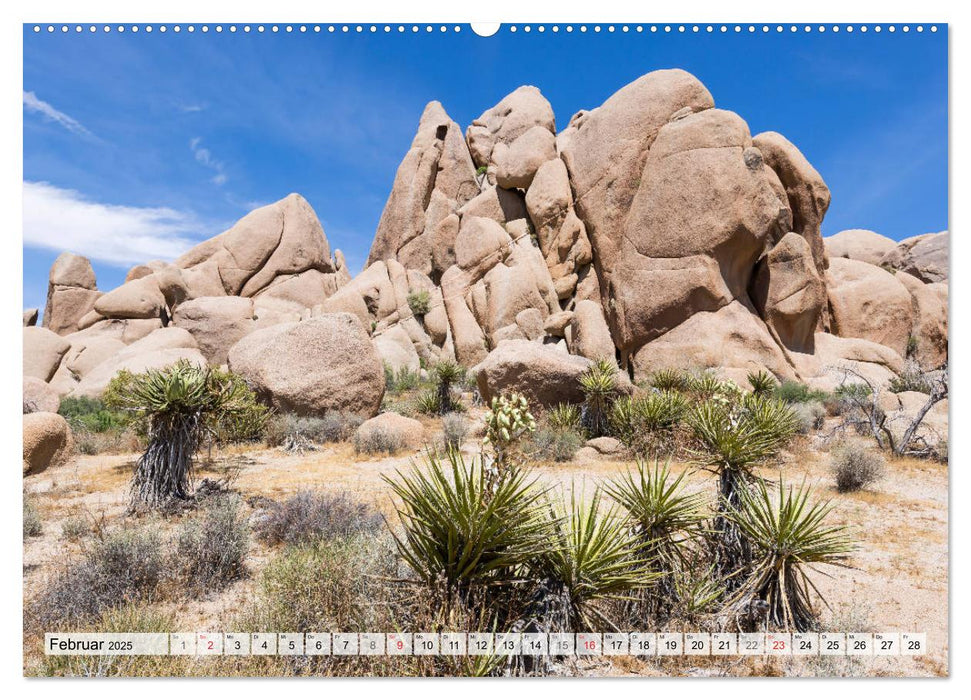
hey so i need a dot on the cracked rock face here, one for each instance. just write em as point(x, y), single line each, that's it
point(653, 230)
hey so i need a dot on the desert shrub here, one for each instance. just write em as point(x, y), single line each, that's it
point(126, 567)
point(911, 378)
point(599, 386)
point(593, 559)
point(564, 416)
point(210, 549)
point(84, 413)
point(549, 444)
point(400, 380)
point(762, 382)
point(847, 398)
point(462, 528)
point(75, 528)
point(179, 405)
point(855, 467)
point(645, 423)
point(912, 346)
point(334, 426)
point(328, 584)
point(113, 441)
point(788, 536)
point(33, 525)
point(378, 440)
point(794, 392)
point(670, 380)
point(419, 302)
point(454, 429)
point(309, 516)
point(809, 416)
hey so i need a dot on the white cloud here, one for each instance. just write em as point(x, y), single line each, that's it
point(204, 157)
point(34, 104)
point(61, 219)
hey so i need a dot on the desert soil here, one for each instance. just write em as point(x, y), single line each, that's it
point(898, 580)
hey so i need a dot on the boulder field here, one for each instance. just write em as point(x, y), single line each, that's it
point(654, 230)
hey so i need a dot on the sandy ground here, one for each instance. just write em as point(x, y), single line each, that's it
point(899, 579)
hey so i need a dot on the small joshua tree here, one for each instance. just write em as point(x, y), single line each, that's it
point(447, 373)
point(180, 405)
point(599, 385)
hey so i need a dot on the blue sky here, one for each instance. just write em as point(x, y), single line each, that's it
point(138, 145)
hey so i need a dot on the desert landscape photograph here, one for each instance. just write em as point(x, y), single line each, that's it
point(569, 351)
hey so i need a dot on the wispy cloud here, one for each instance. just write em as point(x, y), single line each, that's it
point(191, 107)
point(32, 103)
point(204, 156)
point(63, 219)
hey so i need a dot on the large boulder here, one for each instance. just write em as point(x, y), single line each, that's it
point(703, 213)
point(930, 320)
point(859, 244)
point(870, 303)
point(30, 317)
point(43, 350)
point(808, 196)
point(396, 350)
point(545, 375)
point(498, 128)
point(925, 257)
point(838, 360)
point(40, 397)
point(47, 441)
point(589, 334)
point(283, 238)
point(72, 291)
point(789, 293)
point(216, 323)
point(157, 350)
point(140, 298)
point(732, 338)
point(391, 428)
point(516, 163)
point(434, 180)
point(326, 363)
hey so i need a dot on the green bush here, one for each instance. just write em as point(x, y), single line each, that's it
point(92, 415)
point(911, 378)
point(549, 444)
point(32, 522)
point(419, 302)
point(401, 380)
point(795, 392)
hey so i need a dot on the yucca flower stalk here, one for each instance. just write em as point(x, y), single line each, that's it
point(593, 558)
point(789, 538)
point(506, 422)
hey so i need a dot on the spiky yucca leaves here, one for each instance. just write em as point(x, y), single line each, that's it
point(564, 416)
point(447, 373)
point(763, 383)
point(736, 437)
point(705, 385)
point(179, 404)
point(788, 536)
point(593, 558)
point(665, 519)
point(670, 380)
point(599, 386)
point(462, 531)
point(645, 423)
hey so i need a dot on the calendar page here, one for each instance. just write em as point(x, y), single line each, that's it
point(536, 349)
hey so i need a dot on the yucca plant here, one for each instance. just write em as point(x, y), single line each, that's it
point(507, 421)
point(593, 558)
point(564, 416)
point(180, 404)
point(789, 537)
point(670, 380)
point(706, 386)
point(463, 531)
point(665, 519)
point(645, 423)
point(762, 383)
point(447, 373)
point(735, 439)
point(599, 386)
